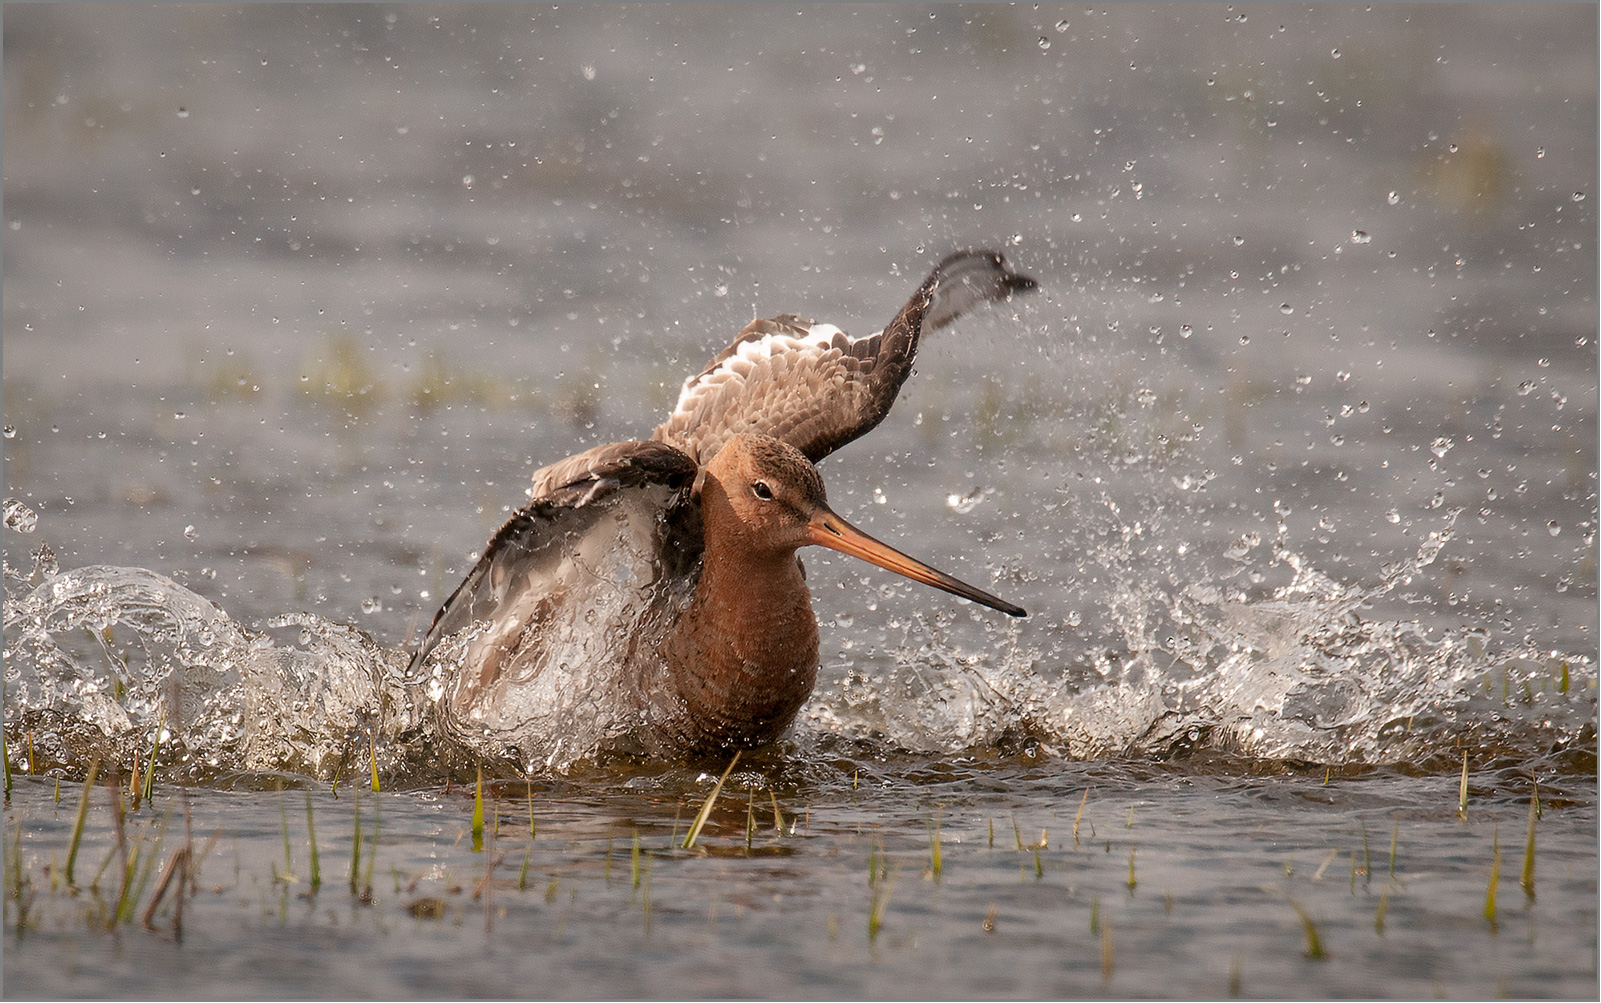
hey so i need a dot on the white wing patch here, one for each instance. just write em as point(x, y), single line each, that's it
point(817, 343)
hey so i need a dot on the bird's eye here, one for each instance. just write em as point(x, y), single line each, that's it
point(762, 491)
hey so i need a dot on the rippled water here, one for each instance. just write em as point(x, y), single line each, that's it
point(1292, 460)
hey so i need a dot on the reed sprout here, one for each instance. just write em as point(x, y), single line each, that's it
point(706, 807)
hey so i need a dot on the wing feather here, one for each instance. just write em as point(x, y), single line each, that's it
point(511, 579)
point(812, 385)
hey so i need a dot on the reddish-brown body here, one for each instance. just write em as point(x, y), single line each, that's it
point(574, 631)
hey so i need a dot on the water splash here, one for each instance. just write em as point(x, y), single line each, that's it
point(1297, 675)
point(101, 659)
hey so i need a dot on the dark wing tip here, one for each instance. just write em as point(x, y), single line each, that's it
point(1019, 283)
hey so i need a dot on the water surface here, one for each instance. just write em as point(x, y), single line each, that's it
point(1292, 460)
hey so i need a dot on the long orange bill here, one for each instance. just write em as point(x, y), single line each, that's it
point(826, 529)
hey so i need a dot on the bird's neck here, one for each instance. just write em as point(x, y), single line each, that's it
point(743, 659)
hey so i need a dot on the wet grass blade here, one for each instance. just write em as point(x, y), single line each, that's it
point(706, 808)
point(878, 900)
point(1108, 955)
point(283, 818)
point(1527, 881)
point(177, 867)
point(5, 755)
point(355, 847)
point(1462, 795)
point(478, 814)
point(83, 812)
point(533, 830)
point(1314, 943)
point(372, 759)
point(311, 837)
point(936, 863)
point(1076, 818)
point(1495, 880)
point(149, 790)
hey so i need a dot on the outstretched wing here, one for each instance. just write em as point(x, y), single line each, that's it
point(814, 386)
point(612, 502)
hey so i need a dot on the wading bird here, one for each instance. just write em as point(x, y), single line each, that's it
point(649, 600)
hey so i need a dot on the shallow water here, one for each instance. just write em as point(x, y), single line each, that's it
point(1292, 460)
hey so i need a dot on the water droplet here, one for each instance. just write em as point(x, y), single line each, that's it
point(588, 71)
point(183, 112)
point(1441, 446)
point(1062, 25)
point(1578, 196)
point(371, 606)
point(1392, 516)
point(190, 532)
point(1360, 237)
point(20, 517)
point(45, 564)
point(1394, 198)
point(1553, 527)
point(1334, 53)
point(1539, 153)
point(1286, 309)
point(1185, 331)
point(1044, 43)
point(10, 432)
point(1238, 240)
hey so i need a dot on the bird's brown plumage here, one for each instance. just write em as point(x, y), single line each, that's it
point(671, 542)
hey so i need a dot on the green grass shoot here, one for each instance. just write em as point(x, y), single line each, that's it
point(1131, 879)
point(1314, 943)
point(522, 875)
point(355, 847)
point(5, 757)
point(149, 791)
point(311, 837)
point(750, 816)
point(1367, 857)
point(1527, 881)
point(633, 862)
point(878, 899)
point(77, 825)
point(1462, 796)
point(533, 830)
point(706, 808)
point(1076, 818)
point(1108, 954)
point(1095, 915)
point(1395, 836)
point(1378, 916)
point(478, 814)
point(936, 864)
point(372, 759)
point(1495, 880)
point(283, 818)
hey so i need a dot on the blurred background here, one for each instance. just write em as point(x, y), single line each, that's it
point(296, 297)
